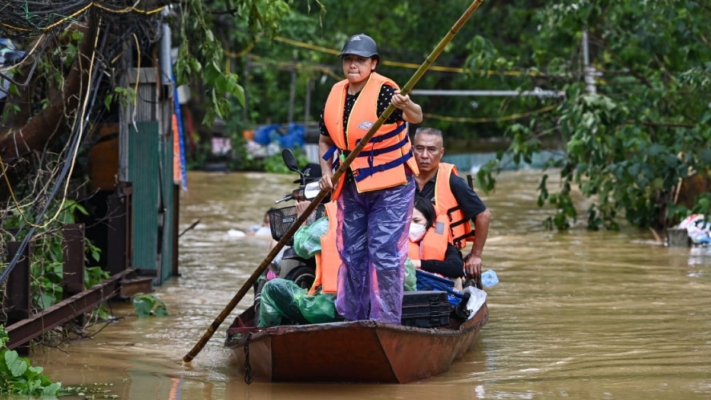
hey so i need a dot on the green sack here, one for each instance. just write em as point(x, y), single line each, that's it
point(410, 276)
point(282, 298)
point(307, 240)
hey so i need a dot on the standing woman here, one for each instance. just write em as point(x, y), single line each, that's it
point(375, 195)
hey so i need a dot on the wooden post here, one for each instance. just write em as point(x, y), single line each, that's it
point(117, 251)
point(18, 300)
point(292, 91)
point(73, 250)
point(307, 103)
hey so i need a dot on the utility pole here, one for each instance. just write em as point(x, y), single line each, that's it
point(307, 102)
point(589, 71)
point(292, 91)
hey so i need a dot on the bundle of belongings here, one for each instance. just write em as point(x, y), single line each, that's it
point(698, 229)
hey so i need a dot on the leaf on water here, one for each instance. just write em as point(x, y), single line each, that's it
point(142, 307)
point(160, 311)
point(52, 389)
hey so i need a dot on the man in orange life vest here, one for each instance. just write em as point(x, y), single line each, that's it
point(376, 194)
point(439, 182)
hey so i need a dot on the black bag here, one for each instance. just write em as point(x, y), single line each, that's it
point(425, 309)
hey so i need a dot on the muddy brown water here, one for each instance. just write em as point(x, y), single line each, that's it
point(578, 314)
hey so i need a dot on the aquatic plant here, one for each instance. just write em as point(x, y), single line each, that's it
point(147, 305)
point(19, 377)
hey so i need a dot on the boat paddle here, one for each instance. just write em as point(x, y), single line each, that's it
point(323, 193)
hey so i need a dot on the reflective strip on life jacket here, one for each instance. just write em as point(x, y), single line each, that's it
point(444, 199)
point(328, 261)
point(381, 165)
point(336, 163)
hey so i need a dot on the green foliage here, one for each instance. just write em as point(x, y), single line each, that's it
point(275, 163)
point(627, 146)
point(146, 305)
point(19, 377)
point(200, 53)
point(47, 253)
point(645, 130)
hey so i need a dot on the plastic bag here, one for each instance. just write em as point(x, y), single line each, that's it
point(489, 278)
point(307, 240)
point(476, 300)
point(282, 298)
point(410, 276)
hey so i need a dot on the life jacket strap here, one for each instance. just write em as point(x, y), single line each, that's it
point(377, 152)
point(362, 173)
point(391, 134)
point(329, 153)
point(458, 240)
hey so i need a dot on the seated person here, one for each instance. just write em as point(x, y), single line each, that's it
point(429, 250)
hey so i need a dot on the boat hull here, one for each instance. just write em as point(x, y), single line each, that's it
point(353, 352)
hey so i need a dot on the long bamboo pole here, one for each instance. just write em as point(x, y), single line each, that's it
point(336, 176)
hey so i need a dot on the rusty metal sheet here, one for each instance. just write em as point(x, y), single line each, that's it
point(64, 311)
point(18, 299)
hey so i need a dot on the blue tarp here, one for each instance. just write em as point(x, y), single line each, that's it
point(294, 136)
point(430, 281)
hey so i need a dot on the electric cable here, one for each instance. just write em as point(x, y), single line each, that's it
point(66, 170)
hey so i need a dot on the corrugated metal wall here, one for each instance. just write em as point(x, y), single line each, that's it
point(144, 158)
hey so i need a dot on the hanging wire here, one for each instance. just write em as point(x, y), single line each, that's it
point(95, 75)
point(17, 17)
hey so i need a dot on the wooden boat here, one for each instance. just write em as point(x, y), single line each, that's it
point(350, 352)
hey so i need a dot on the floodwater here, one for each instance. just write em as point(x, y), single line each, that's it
point(578, 314)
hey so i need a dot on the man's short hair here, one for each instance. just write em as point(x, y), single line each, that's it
point(429, 131)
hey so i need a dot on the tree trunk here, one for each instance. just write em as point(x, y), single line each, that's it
point(17, 141)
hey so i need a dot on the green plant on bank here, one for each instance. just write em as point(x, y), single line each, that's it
point(146, 305)
point(19, 377)
point(275, 164)
point(47, 254)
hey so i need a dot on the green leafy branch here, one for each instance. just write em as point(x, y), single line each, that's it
point(146, 305)
point(19, 377)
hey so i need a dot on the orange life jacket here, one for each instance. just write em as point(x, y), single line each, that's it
point(445, 201)
point(433, 245)
point(381, 163)
point(328, 261)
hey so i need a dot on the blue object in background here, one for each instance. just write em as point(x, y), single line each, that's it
point(293, 138)
point(9, 55)
point(489, 278)
point(262, 134)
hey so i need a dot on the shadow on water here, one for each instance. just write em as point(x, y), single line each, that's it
point(577, 314)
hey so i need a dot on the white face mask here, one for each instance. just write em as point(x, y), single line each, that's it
point(417, 232)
